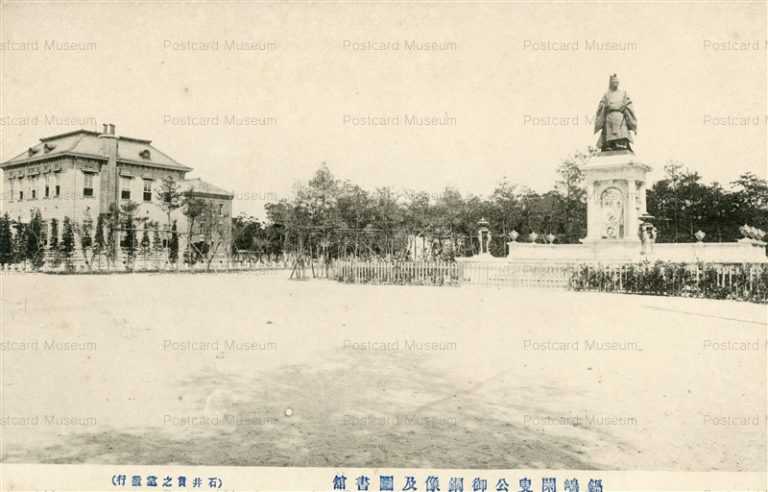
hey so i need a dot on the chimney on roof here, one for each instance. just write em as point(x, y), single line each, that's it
point(111, 129)
point(104, 128)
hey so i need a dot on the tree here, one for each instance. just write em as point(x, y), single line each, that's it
point(569, 215)
point(321, 195)
point(205, 224)
point(245, 230)
point(129, 240)
point(157, 243)
point(387, 216)
point(506, 200)
point(346, 206)
point(6, 240)
point(275, 236)
point(677, 202)
point(755, 190)
point(68, 243)
point(336, 218)
point(19, 241)
point(193, 210)
point(286, 217)
point(33, 243)
point(752, 200)
point(169, 196)
point(417, 211)
point(54, 241)
point(84, 231)
point(320, 207)
point(98, 240)
point(173, 245)
point(213, 231)
point(145, 242)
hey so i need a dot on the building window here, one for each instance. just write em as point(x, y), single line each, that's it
point(87, 184)
point(221, 209)
point(147, 190)
point(21, 194)
point(125, 188)
point(33, 187)
point(34, 193)
point(47, 187)
point(11, 192)
point(56, 188)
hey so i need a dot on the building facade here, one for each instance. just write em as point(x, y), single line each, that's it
point(82, 174)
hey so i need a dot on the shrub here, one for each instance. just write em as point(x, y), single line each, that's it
point(6, 240)
point(746, 282)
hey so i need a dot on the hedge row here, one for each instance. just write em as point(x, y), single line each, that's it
point(745, 282)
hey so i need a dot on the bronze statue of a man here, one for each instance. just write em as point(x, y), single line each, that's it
point(615, 119)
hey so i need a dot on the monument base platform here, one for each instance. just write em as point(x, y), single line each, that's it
point(624, 251)
point(743, 251)
point(607, 250)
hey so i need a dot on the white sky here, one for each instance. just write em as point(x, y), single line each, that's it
point(309, 81)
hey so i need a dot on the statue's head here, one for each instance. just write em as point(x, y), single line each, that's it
point(613, 82)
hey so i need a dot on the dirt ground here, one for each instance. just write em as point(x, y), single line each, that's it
point(240, 369)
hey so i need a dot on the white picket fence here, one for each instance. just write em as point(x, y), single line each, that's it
point(452, 273)
point(157, 266)
point(533, 275)
point(397, 272)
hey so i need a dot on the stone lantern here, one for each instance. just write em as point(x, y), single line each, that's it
point(484, 236)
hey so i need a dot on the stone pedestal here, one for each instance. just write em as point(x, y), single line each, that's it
point(616, 186)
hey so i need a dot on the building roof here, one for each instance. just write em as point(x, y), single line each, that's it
point(197, 186)
point(88, 144)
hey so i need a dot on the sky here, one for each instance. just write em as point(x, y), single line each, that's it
point(254, 96)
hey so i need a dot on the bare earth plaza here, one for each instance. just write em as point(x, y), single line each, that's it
point(367, 247)
point(371, 398)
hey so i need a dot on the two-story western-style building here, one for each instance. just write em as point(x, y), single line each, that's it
point(80, 174)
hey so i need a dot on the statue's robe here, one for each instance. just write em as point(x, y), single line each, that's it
point(615, 119)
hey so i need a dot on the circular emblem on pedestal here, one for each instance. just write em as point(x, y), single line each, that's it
point(612, 206)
